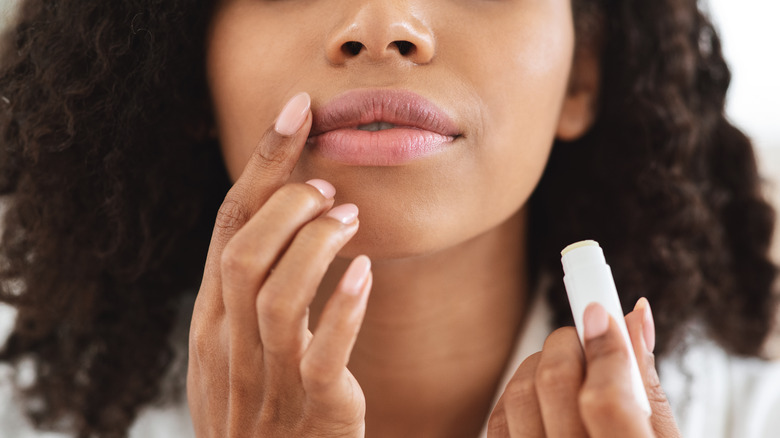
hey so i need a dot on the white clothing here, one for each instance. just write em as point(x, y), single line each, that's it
point(713, 394)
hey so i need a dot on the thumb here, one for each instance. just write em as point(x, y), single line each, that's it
point(641, 329)
point(607, 402)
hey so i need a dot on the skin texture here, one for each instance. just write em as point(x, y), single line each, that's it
point(503, 77)
point(108, 163)
point(501, 74)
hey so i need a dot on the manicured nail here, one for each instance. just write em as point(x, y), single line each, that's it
point(596, 321)
point(356, 275)
point(344, 213)
point(293, 115)
point(648, 324)
point(326, 188)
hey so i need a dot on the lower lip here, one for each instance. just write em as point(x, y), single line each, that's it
point(388, 147)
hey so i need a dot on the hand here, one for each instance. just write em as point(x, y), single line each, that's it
point(255, 369)
point(565, 392)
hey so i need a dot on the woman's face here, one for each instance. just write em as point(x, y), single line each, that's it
point(498, 69)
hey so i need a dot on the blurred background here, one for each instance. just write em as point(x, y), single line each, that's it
point(751, 39)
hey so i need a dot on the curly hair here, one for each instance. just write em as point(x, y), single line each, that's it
point(111, 184)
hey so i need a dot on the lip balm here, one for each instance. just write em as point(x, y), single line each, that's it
point(588, 279)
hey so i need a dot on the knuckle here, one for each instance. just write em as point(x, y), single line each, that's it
point(656, 395)
point(555, 375)
point(273, 156)
point(300, 197)
point(198, 339)
point(603, 401)
point(518, 392)
point(234, 260)
point(201, 342)
point(275, 308)
point(232, 215)
point(315, 375)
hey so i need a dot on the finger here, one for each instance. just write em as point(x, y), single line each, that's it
point(641, 328)
point(497, 424)
point(283, 302)
point(607, 402)
point(268, 168)
point(559, 376)
point(520, 401)
point(325, 361)
point(256, 247)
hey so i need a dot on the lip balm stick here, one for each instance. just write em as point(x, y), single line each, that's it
point(588, 279)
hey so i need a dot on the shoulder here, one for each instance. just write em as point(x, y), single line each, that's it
point(715, 394)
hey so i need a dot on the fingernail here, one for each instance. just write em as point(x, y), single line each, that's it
point(293, 114)
point(596, 321)
point(648, 324)
point(356, 275)
point(344, 213)
point(326, 188)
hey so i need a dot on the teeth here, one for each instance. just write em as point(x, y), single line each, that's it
point(376, 126)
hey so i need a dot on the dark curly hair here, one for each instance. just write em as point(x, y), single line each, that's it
point(111, 183)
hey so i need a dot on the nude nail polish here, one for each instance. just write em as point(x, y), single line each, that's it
point(648, 324)
point(356, 275)
point(596, 321)
point(344, 213)
point(293, 115)
point(324, 187)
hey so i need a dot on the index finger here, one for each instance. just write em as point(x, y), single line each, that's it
point(268, 168)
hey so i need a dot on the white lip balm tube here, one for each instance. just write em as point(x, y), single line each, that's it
point(588, 279)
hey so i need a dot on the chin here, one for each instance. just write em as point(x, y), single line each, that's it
point(392, 241)
point(412, 236)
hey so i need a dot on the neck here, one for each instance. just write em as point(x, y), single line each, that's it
point(438, 332)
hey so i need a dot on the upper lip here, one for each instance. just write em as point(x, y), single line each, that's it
point(399, 107)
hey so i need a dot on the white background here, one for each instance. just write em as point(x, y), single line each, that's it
point(751, 43)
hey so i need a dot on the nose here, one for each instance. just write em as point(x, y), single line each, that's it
point(380, 30)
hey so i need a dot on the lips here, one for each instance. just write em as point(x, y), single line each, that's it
point(380, 128)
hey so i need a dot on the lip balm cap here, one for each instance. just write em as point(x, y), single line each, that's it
point(579, 244)
point(583, 253)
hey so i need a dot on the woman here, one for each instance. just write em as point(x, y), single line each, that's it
point(502, 132)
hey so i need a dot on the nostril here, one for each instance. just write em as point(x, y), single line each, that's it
point(404, 47)
point(352, 47)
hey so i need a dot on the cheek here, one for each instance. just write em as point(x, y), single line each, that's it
point(249, 78)
point(521, 74)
